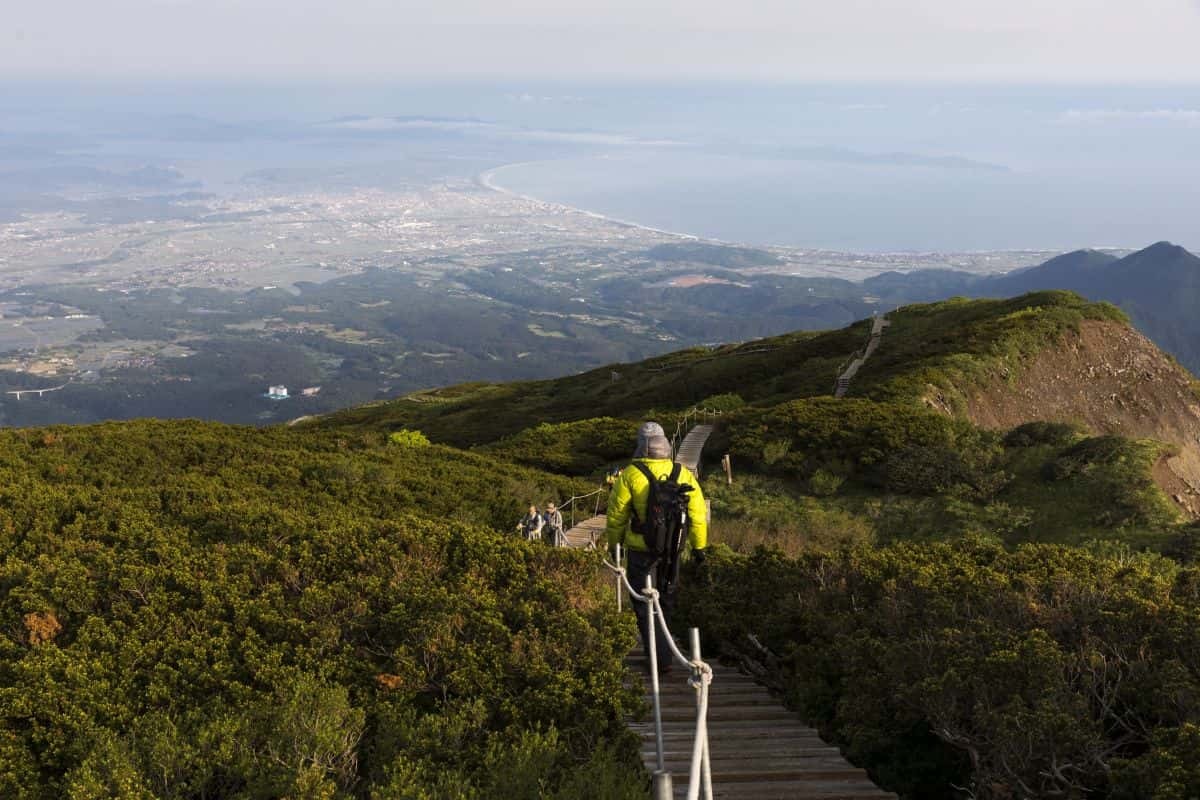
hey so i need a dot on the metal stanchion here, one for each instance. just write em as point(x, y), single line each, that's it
point(662, 786)
point(620, 588)
point(701, 722)
point(652, 655)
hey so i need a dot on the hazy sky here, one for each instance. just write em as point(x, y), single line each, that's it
point(944, 40)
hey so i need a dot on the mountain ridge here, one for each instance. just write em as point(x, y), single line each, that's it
point(993, 363)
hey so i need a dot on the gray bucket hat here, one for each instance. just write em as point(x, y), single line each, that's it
point(647, 430)
point(658, 447)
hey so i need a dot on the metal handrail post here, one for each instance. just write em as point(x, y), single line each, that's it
point(662, 786)
point(620, 589)
point(701, 722)
point(652, 656)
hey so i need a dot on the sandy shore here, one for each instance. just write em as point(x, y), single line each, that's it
point(488, 181)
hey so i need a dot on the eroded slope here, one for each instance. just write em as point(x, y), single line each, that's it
point(1113, 380)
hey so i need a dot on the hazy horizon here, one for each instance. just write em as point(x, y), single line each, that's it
point(984, 40)
point(871, 167)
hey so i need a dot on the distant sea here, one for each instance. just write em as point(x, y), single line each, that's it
point(866, 207)
point(848, 167)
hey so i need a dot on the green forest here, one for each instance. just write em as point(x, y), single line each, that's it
point(340, 609)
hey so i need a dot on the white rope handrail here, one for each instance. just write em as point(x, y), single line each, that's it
point(700, 677)
point(684, 422)
point(570, 502)
point(648, 596)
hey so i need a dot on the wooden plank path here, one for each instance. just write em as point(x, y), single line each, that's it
point(692, 445)
point(843, 381)
point(587, 534)
point(758, 749)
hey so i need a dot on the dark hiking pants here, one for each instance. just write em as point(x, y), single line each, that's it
point(639, 566)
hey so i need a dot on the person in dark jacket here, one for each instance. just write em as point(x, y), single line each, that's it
point(531, 525)
point(552, 525)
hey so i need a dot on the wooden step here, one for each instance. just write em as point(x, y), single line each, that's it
point(798, 751)
point(789, 790)
point(759, 749)
point(729, 767)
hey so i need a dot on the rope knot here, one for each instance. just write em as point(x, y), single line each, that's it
point(702, 674)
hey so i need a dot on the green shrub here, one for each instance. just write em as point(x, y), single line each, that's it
point(824, 483)
point(573, 448)
point(1169, 770)
point(757, 510)
point(729, 401)
point(850, 436)
point(1056, 434)
point(1079, 458)
point(947, 668)
point(925, 470)
point(772, 452)
point(407, 438)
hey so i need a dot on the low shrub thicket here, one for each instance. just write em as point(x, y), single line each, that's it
point(196, 611)
point(573, 448)
point(1056, 434)
point(964, 669)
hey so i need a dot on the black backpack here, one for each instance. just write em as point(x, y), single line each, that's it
point(666, 512)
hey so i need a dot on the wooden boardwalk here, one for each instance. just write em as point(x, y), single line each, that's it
point(587, 534)
point(692, 445)
point(843, 381)
point(759, 750)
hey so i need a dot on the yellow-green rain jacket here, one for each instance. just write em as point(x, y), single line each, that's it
point(631, 492)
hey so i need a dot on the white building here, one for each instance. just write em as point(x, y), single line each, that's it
point(277, 393)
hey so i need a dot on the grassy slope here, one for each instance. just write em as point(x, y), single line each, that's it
point(839, 466)
point(946, 344)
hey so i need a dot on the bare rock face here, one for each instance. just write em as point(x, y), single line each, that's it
point(1112, 380)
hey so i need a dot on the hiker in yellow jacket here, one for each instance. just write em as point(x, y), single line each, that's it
point(627, 499)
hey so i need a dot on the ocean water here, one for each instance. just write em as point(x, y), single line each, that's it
point(851, 167)
point(881, 168)
point(868, 208)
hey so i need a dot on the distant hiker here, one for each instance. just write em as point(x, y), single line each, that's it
point(653, 505)
point(531, 525)
point(610, 478)
point(552, 522)
point(647, 430)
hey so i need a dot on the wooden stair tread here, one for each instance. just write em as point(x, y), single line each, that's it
point(758, 748)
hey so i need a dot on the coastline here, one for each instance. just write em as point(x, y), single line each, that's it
point(487, 179)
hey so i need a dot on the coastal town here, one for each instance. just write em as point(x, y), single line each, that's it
point(228, 295)
point(278, 240)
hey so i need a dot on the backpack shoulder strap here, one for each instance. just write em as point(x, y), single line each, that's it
point(642, 468)
point(675, 472)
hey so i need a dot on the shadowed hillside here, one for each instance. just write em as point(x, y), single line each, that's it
point(940, 344)
point(1047, 356)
